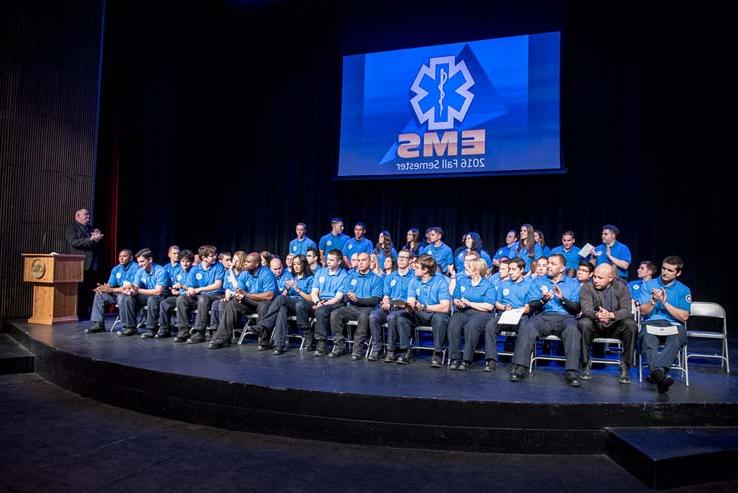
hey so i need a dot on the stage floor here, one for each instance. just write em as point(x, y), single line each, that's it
point(297, 370)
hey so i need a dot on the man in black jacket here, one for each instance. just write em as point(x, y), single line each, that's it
point(606, 312)
point(82, 239)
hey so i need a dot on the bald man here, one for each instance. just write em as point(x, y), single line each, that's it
point(606, 312)
point(82, 239)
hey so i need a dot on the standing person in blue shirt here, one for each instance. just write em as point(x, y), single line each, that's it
point(506, 251)
point(178, 288)
point(357, 244)
point(555, 301)
point(393, 305)
point(299, 245)
point(256, 289)
point(646, 271)
point(569, 250)
point(384, 248)
point(526, 248)
point(335, 240)
point(612, 251)
point(511, 295)
point(121, 276)
point(440, 251)
point(148, 287)
point(173, 264)
point(470, 242)
point(429, 303)
point(363, 291)
point(664, 302)
point(541, 240)
point(204, 285)
point(474, 299)
point(327, 295)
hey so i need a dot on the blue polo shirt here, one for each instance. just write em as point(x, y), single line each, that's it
point(503, 251)
point(123, 273)
point(572, 256)
point(381, 256)
point(459, 260)
point(677, 294)
point(537, 253)
point(200, 277)
point(395, 285)
point(363, 285)
point(495, 279)
point(431, 292)
point(619, 251)
point(332, 242)
point(298, 247)
point(171, 269)
point(635, 288)
point(512, 293)
point(150, 280)
point(305, 284)
point(281, 280)
point(329, 284)
point(442, 254)
point(261, 281)
point(484, 292)
point(569, 289)
point(230, 280)
point(179, 275)
point(353, 246)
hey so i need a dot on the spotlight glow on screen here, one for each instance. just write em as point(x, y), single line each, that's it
point(482, 107)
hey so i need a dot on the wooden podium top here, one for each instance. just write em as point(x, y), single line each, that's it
point(45, 268)
point(55, 255)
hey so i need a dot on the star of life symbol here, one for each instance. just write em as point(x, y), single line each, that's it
point(442, 93)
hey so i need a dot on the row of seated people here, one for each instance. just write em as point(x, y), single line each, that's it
point(469, 304)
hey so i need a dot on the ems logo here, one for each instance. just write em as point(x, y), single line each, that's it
point(294, 248)
point(417, 292)
point(350, 246)
point(393, 282)
point(636, 286)
point(321, 279)
point(329, 242)
point(117, 276)
point(506, 291)
point(688, 298)
point(463, 288)
point(353, 282)
point(198, 276)
point(442, 93)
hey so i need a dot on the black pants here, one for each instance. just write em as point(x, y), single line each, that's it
point(471, 322)
point(546, 324)
point(351, 312)
point(437, 321)
point(625, 330)
point(491, 330)
point(185, 305)
point(233, 314)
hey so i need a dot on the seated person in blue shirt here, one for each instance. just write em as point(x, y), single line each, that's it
point(664, 302)
point(226, 259)
point(313, 259)
point(362, 292)
point(541, 240)
point(300, 244)
point(294, 300)
point(327, 295)
point(506, 251)
point(428, 303)
point(335, 240)
point(173, 255)
point(204, 285)
point(503, 272)
point(256, 290)
point(394, 297)
point(147, 289)
point(354, 262)
point(511, 294)
point(554, 302)
point(585, 270)
point(470, 242)
point(389, 266)
point(612, 251)
point(178, 288)
point(569, 250)
point(384, 248)
point(357, 244)
point(234, 265)
point(646, 271)
point(474, 298)
point(526, 248)
point(539, 267)
point(107, 294)
point(412, 241)
point(440, 251)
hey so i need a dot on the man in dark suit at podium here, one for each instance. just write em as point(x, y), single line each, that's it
point(82, 239)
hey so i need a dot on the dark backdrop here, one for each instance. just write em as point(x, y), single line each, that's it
point(213, 131)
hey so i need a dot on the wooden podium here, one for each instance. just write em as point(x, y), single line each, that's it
point(54, 279)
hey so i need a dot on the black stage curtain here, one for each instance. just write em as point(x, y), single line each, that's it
point(226, 137)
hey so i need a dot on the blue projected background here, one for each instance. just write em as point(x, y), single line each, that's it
point(481, 107)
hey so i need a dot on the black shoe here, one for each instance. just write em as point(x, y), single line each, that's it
point(572, 378)
point(587, 371)
point(163, 334)
point(196, 338)
point(264, 346)
point(128, 331)
point(656, 376)
point(217, 344)
point(278, 350)
point(149, 334)
point(356, 356)
point(624, 374)
point(664, 384)
point(95, 328)
point(182, 335)
point(374, 355)
point(390, 357)
point(517, 374)
point(308, 342)
point(405, 358)
point(464, 365)
point(209, 334)
point(455, 365)
point(435, 361)
point(321, 348)
point(338, 350)
point(490, 365)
